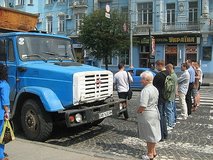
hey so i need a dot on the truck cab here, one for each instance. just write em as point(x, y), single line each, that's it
point(48, 85)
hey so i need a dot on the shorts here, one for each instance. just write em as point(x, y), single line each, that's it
point(194, 92)
point(123, 95)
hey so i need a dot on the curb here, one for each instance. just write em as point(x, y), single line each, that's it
point(88, 153)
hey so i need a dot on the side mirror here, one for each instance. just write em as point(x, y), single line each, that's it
point(3, 55)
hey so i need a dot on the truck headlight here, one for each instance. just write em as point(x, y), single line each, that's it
point(78, 117)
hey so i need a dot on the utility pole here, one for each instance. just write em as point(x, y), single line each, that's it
point(150, 47)
point(131, 43)
point(131, 33)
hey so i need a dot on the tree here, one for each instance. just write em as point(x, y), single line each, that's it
point(104, 36)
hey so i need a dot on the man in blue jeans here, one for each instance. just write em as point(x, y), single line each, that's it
point(170, 102)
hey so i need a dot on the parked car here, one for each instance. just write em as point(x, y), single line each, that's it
point(136, 72)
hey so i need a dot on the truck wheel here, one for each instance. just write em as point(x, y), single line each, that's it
point(36, 123)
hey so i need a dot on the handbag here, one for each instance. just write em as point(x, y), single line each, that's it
point(7, 134)
point(129, 93)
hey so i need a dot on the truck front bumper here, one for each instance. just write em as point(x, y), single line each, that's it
point(93, 113)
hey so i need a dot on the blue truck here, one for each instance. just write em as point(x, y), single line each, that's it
point(48, 85)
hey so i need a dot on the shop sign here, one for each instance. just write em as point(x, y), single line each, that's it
point(182, 39)
point(170, 39)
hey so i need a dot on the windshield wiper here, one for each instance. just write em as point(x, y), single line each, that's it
point(54, 54)
point(36, 55)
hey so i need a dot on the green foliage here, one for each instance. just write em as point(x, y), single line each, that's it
point(104, 36)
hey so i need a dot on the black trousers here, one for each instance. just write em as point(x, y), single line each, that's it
point(189, 98)
point(163, 120)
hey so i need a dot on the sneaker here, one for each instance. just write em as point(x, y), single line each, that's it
point(169, 128)
point(190, 116)
point(181, 118)
point(146, 157)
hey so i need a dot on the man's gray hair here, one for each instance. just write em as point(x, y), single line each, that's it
point(147, 75)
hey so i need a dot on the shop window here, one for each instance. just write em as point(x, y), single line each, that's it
point(207, 53)
point(171, 55)
point(191, 52)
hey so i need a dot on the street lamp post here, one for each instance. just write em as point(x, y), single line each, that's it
point(131, 43)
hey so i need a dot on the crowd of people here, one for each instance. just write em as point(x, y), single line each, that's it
point(157, 114)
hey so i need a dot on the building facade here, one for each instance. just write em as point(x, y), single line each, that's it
point(180, 29)
point(177, 29)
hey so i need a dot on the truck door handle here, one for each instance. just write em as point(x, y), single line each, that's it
point(21, 69)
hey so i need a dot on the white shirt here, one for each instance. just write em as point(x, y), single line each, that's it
point(121, 81)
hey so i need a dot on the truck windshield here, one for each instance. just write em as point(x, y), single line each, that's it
point(40, 48)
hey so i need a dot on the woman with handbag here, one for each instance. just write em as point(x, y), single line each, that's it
point(122, 80)
point(4, 102)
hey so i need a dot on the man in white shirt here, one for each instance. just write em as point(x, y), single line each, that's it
point(183, 84)
point(122, 80)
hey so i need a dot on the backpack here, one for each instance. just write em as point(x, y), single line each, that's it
point(168, 87)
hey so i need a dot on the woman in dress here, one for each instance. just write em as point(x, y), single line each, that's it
point(148, 115)
point(5, 102)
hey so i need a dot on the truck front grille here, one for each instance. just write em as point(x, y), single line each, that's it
point(94, 86)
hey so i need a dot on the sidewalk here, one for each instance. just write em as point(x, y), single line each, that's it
point(21, 149)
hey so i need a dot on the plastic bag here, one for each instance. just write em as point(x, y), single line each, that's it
point(7, 133)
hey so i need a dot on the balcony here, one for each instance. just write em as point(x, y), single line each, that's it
point(142, 29)
point(78, 4)
point(181, 26)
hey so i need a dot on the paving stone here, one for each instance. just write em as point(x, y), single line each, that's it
point(190, 139)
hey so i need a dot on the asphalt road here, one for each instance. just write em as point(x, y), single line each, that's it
point(116, 137)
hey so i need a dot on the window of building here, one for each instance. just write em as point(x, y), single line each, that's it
point(49, 24)
point(191, 52)
point(20, 2)
point(125, 13)
point(124, 58)
point(79, 18)
point(61, 23)
point(193, 9)
point(144, 56)
point(109, 60)
point(30, 2)
point(207, 53)
point(170, 12)
point(49, 1)
point(171, 54)
point(145, 13)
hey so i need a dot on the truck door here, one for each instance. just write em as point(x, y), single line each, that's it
point(7, 57)
point(12, 68)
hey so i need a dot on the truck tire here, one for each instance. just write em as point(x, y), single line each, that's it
point(36, 123)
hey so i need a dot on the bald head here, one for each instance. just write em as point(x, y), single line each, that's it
point(147, 76)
